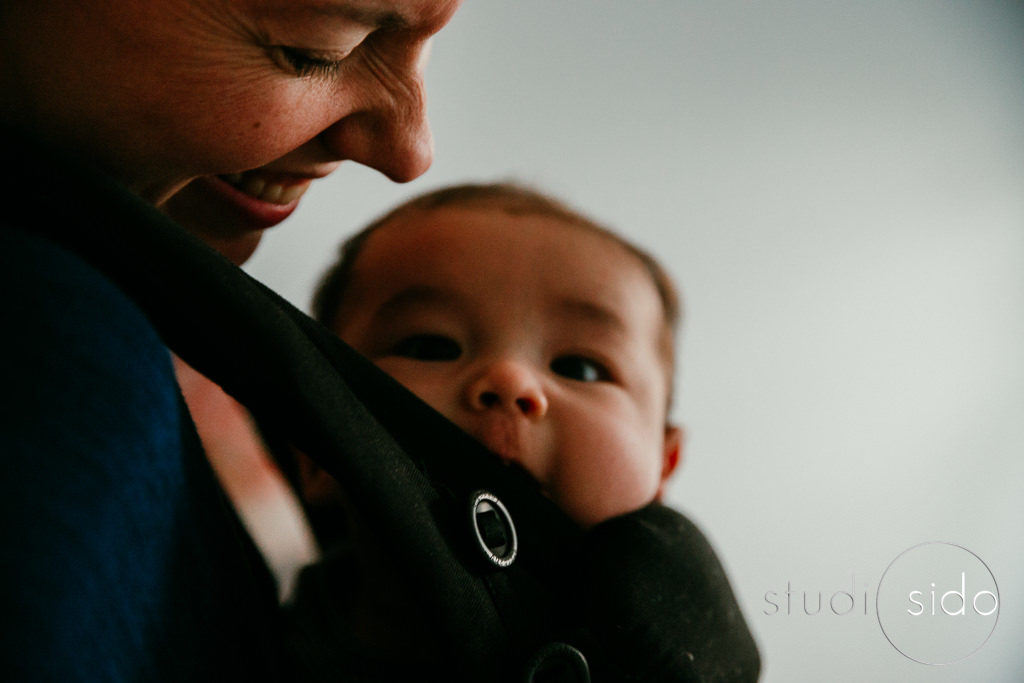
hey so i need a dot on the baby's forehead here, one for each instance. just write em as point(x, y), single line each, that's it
point(458, 240)
point(503, 246)
point(436, 228)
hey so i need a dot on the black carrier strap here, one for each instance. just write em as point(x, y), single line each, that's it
point(410, 474)
point(500, 584)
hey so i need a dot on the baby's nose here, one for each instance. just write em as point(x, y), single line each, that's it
point(508, 386)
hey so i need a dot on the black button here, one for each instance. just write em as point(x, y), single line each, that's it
point(494, 530)
point(557, 663)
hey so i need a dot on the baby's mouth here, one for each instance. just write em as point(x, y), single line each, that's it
point(273, 189)
point(501, 437)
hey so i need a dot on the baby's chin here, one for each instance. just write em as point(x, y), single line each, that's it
point(589, 513)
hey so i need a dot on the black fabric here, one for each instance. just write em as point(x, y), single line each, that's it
point(408, 474)
point(655, 604)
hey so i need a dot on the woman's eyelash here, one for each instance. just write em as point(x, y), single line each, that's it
point(305, 64)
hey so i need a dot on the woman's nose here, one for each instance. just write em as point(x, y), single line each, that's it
point(388, 131)
point(508, 386)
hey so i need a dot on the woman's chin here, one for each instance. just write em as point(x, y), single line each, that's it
point(227, 219)
point(238, 249)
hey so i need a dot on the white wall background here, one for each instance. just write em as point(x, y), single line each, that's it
point(839, 189)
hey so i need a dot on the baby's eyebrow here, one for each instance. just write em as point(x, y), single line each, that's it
point(592, 312)
point(416, 297)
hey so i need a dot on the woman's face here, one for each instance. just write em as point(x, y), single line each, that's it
point(158, 92)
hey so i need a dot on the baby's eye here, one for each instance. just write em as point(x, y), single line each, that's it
point(305, 63)
point(581, 369)
point(428, 347)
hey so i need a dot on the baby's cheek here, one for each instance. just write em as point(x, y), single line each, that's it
point(429, 383)
point(605, 478)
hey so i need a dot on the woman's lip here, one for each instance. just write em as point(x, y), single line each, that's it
point(264, 210)
point(275, 188)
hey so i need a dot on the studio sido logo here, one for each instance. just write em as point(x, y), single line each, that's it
point(937, 603)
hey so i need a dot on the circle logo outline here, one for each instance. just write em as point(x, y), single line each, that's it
point(878, 595)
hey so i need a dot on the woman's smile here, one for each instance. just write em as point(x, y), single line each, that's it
point(272, 188)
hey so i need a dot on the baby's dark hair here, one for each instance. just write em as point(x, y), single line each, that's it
point(516, 200)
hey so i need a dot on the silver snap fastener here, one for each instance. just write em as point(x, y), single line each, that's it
point(495, 532)
point(557, 662)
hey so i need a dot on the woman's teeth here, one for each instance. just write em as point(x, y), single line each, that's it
point(258, 187)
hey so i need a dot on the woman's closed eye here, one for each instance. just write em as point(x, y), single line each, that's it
point(580, 369)
point(306, 63)
point(428, 347)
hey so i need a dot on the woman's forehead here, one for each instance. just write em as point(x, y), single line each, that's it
point(414, 15)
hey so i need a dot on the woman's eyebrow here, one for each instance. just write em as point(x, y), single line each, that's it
point(363, 15)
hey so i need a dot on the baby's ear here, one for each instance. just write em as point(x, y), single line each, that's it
point(671, 454)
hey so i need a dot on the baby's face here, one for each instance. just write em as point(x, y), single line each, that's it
point(537, 337)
